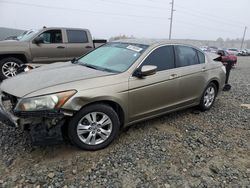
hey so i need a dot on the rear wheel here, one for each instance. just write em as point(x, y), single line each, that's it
point(208, 97)
point(94, 127)
point(9, 67)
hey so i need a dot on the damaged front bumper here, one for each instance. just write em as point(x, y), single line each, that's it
point(15, 118)
point(45, 127)
point(6, 117)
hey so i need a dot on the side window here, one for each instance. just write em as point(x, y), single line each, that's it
point(201, 57)
point(52, 36)
point(77, 36)
point(162, 57)
point(185, 56)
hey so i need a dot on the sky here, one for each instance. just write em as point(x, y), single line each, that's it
point(193, 19)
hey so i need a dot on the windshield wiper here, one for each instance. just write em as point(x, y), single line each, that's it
point(90, 66)
point(110, 70)
point(99, 68)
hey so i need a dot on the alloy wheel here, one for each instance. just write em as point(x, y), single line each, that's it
point(209, 96)
point(9, 69)
point(94, 128)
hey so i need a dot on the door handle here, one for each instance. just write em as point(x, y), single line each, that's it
point(172, 76)
point(203, 69)
point(88, 47)
point(60, 47)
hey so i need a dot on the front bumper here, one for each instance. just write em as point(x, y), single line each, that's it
point(6, 117)
point(18, 118)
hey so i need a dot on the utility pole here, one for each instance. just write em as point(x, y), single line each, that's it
point(171, 19)
point(244, 34)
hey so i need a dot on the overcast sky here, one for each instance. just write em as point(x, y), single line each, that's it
point(193, 19)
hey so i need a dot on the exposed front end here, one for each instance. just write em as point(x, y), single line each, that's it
point(45, 125)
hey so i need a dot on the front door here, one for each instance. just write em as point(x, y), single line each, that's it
point(52, 49)
point(156, 93)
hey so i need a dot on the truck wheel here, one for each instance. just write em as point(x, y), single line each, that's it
point(94, 127)
point(8, 67)
point(208, 97)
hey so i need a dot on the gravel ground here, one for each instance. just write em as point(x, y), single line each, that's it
point(182, 149)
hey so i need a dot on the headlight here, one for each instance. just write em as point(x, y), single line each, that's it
point(45, 102)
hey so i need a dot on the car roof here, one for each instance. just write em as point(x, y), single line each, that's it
point(155, 42)
point(69, 28)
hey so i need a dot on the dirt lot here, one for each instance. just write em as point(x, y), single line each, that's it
point(183, 149)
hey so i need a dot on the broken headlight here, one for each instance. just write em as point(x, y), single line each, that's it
point(45, 102)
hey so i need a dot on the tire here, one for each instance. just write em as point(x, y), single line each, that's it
point(6, 63)
point(88, 134)
point(208, 97)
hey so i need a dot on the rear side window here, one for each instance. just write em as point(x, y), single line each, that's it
point(186, 56)
point(77, 36)
point(162, 57)
point(201, 57)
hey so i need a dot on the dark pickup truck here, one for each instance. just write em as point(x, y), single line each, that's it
point(45, 46)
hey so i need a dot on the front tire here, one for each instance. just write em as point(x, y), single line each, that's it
point(9, 67)
point(208, 97)
point(94, 127)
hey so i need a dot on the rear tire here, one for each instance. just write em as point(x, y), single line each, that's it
point(94, 127)
point(8, 67)
point(208, 97)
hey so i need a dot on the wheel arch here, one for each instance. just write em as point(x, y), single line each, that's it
point(216, 82)
point(21, 57)
point(114, 105)
point(213, 80)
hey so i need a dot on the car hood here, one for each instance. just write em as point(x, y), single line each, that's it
point(48, 76)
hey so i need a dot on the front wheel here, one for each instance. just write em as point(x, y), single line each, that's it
point(94, 127)
point(9, 67)
point(208, 97)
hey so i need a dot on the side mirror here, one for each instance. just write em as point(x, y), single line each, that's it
point(145, 70)
point(38, 40)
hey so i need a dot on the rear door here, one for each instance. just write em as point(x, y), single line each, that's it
point(79, 42)
point(52, 49)
point(156, 93)
point(191, 68)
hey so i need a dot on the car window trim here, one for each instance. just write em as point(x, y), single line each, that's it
point(66, 32)
point(195, 50)
point(52, 31)
point(175, 56)
point(38, 34)
point(152, 50)
point(197, 56)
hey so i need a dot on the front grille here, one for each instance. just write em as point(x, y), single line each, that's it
point(9, 101)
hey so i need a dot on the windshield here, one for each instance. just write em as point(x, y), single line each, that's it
point(114, 57)
point(27, 35)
